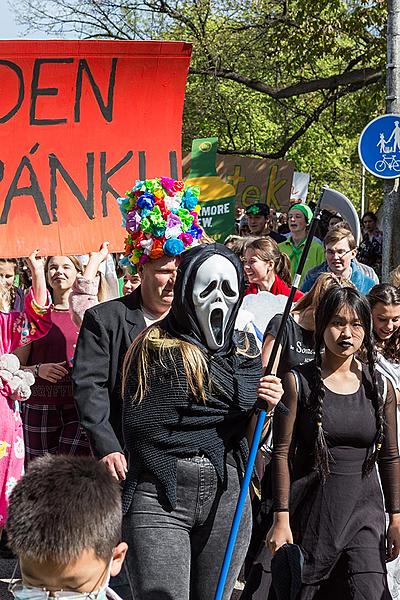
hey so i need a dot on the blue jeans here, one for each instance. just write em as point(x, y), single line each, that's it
point(177, 554)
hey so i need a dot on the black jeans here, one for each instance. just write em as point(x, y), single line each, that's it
point(177, 554)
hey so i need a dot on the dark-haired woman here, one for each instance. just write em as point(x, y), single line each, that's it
point(370, 249)
point(384, 300)
point(342, 421)
point(267, 269)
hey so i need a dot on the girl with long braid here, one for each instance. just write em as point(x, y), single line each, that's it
point(342, 421)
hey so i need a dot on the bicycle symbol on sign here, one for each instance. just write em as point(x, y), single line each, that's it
point(390, 163)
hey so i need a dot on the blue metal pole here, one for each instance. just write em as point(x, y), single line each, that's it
point(239, 507)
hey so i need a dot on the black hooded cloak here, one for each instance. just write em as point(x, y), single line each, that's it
point(171, 423)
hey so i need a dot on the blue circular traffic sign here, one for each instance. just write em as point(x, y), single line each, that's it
point(379, 146)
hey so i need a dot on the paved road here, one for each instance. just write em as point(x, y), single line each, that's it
point(6, 571)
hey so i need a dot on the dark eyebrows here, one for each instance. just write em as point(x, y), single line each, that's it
point(346, 318)
point(338, 318)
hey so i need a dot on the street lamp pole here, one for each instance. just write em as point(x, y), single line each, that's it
point(391, 200)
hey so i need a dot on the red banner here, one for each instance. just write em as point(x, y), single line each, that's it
point(80, 121)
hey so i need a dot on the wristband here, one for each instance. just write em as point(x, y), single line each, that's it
point(36, 371)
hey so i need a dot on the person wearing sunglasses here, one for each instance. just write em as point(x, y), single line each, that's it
point(340, 259)
point(64, 526)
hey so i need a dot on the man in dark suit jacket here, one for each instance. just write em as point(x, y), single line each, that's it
point(107, 331)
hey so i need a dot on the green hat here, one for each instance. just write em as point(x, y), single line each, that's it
point(258, 209)
point(306, 210)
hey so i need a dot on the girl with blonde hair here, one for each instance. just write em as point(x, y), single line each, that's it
point(190, 386)
point(50, 418)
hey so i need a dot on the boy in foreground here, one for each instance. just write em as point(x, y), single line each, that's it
point(64, 526)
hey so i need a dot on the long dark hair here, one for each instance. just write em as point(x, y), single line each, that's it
point(334, 299)
point(388, 295)
point(371, 215)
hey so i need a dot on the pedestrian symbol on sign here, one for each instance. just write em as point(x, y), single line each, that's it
point(379, 146)
point(386, 161)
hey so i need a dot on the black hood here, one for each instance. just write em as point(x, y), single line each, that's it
point(181, 321)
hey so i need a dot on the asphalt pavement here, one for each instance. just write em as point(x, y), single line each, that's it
point(6, 572)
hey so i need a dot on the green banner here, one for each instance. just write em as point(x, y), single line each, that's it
point(217, 198)
point(217, 217)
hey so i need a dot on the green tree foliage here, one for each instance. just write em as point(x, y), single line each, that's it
point(293, 79)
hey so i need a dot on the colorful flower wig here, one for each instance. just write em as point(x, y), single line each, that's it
point(161, 218)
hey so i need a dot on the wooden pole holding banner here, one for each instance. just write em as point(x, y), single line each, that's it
point(262, 414)
point(391, 209)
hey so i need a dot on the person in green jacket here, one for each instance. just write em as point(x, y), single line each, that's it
point(300, 216)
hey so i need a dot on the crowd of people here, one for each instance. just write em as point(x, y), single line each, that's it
point(130, 391)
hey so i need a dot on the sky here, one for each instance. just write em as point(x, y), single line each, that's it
point(8, 28)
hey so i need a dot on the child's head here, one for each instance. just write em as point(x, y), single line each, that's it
point(64, 525)
point(61, 271)
point(131, 282)
point(8, 271)
point(394, 277)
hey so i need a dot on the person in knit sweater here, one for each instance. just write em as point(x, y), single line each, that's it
point(190, 385)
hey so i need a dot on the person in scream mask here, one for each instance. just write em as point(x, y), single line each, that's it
point(190, 386)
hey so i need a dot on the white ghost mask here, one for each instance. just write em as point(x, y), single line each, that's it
point(215, 293)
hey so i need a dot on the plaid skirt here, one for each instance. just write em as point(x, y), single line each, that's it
point(53, 429)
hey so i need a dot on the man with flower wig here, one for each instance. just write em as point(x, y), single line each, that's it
point(161, 218)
